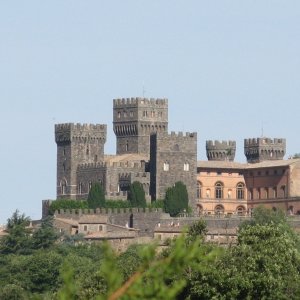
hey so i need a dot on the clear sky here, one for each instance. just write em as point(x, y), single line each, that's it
point(229, 68)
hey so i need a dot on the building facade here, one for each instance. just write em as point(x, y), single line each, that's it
point(147, 153)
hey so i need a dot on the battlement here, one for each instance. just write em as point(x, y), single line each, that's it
point(76, 213)
point(264, 141)
point(261, 149)
point(214, 145)
point(180, 134)
point(123, 165)
point(79, 127)
point(67, 131)
point(220, 150)
point(138, 101)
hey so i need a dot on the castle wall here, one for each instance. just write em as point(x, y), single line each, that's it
point(143, 219)
point(173, 158)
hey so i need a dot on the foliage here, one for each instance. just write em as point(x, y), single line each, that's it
point(196, 230)
point(129, 261)
point(12, 292)
point(136, 195)
point(176, 199)
point(296, 155)
point(67, 204)
point(45, 236)
point(117, 204)
point(18, 239)
point(96, 197)
point(156, 204)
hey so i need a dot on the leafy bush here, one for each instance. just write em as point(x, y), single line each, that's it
point(67, 204)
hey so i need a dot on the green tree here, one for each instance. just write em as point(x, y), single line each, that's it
point(96, 197)
point(18, 240)
point(12, 292)
point(136, 195)
point(296, 155)
point(196, 230)
point(45, 236)
point(263, 265)
point(176, 199)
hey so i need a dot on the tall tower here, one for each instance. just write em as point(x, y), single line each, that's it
point(76, 144)
point(173, 158)
point(135, 119)
point(261, 149)
point(216, 150)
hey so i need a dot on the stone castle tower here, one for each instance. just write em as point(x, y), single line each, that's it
point(134, 119)
point(262, 149)
point(218, 151)
point(173, 157)
point(76, 144)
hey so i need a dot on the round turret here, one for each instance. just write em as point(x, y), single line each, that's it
point(220, 150)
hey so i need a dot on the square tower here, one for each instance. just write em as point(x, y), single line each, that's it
point(173, 158)
point(76, 144)
point(135, 119)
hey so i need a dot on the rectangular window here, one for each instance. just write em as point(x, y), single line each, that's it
point(85, 228)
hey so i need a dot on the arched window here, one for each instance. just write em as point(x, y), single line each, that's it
point(219, 210)
point(200, 209)
point(63, 187)
point(241, 210)
point(219, 190)
point(166, 166)
point(199, 190)
point(240, 191)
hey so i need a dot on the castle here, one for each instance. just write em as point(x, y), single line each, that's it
point(147, 153)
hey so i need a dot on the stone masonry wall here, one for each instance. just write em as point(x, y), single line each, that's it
point(173, 158)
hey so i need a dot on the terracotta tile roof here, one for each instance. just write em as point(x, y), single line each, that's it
point(220, 165)
point(245, 166)
point(274, 163)
point(93, 219)
point(132, 157)
point(111, 235)
point(67, 221)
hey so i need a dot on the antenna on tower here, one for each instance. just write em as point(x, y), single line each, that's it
point(144, 91)
point(262, 129)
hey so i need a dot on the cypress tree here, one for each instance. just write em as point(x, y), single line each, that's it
point(96, 197)
point(136, 195)
point(176, 199)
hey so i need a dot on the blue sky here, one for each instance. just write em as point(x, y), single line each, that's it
point(228, 68)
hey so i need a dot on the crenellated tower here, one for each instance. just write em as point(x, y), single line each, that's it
point(220, 151)
point(135, 119)
point(76, 144)
point(262, 149)
point(173, 158)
